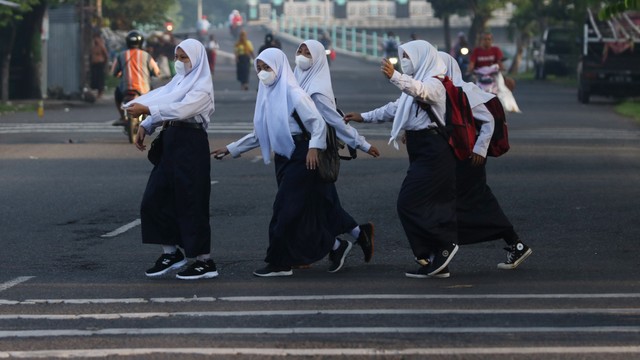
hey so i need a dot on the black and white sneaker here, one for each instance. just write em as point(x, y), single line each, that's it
point(166, 263)
point(199, 270)
point(423, 271)
point(516, 254)
point(442, 259)
point(338, 255)
point(273, 270)
point(365, 240)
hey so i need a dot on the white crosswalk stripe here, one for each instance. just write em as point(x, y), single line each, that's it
point(366, 130)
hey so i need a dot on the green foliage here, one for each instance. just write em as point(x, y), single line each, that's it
point(444, 8)
point(124, 14)
point(9, 15)
point(630, 108)
point(614, 7)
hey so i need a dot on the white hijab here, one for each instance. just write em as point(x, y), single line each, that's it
point(427, 64)
point(316, 79)
point(197, 79)
point(475, 95)
point(274, 105)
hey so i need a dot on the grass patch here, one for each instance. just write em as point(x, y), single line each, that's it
point(630, 108)
point(10, 107)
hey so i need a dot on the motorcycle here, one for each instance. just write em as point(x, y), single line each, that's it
point(486, 78)
point(462, 57)
point(395, 62)
point(132, 124)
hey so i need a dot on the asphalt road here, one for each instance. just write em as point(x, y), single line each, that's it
point(72, 263)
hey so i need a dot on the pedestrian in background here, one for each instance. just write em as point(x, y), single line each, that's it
point(175, 206)
point(212, 52)
point(480, 216)
point(300, 231)
point(427, 199)
point(99, 56)
point(244, 55)
point(313, 74)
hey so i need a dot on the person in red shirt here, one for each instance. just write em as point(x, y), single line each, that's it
point(486, 54)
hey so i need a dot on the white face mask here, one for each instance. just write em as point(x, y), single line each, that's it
point(267, 77)
point(182, 68)
point(303, 62)
point(407, 66)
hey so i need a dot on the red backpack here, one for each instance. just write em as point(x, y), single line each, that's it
point(460, 129)
point(500, 139)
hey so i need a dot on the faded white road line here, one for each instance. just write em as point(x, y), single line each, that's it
point(323, 297)
point(122, 229)
point(318, 330)
point(313, 312)
point(78, 353)
point(11, 283)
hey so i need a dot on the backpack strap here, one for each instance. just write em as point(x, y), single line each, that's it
point(305, 133)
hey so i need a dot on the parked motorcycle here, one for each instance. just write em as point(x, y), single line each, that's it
point(486, 78)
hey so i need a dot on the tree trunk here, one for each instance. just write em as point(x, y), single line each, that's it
point(447, 33)
point(9, 35)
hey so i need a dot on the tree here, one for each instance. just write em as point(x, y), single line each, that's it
point(613, 7)
point(125, 14)
point(10, 18)
point(443, 9)
point(482, 12)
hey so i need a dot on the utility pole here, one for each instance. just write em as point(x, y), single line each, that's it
point(99, 10)
point(199, 10)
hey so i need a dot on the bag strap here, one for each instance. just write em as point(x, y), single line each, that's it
point(442, 130)
point(305, 133)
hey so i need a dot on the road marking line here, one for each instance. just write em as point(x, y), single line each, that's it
point(326, 297)
point(11, 283)
point(318, 330)
point(122, 229)
point(214, 182)
point(256, 159)
point(84, 353)
point(379, 312)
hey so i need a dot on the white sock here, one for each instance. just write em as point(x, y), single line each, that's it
point(336, 244)
point(169, 249)
point(203, 257)
point(355, 232)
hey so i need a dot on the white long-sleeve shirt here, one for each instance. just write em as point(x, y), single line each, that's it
point(482, 114)
point(193, 106)
point(311, 119)
point(344, 131)
point(430, 91)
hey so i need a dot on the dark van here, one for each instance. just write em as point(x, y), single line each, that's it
point(556, 54)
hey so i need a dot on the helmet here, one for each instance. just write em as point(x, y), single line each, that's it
point(134, 39)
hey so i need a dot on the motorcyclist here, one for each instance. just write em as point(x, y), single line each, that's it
point(134, 67)
point(486, 54)
point(390, 47)
point(461, 51)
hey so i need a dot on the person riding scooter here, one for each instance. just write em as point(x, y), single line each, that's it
point(134, 67)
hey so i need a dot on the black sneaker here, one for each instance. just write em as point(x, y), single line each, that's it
point(273, 270)
point(338, 255)
point(516, 254)
point(199, 270)
point(423, 271)
point(166, 263)
point(442, 259)
point(365, 240)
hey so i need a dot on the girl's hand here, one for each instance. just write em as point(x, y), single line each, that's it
point(218, 154)
point(312, 159)
point(139, 143)
point(137, 109)
point(352, 116)
point(477, 160)
point(373, 151)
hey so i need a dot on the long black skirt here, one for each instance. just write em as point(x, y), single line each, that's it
point(242, 69)
point(427, 199)
point(300, 231)
point(175, 205)
point(480, 217)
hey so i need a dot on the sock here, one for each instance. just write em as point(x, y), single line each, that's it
point(355, 232)
point(169, 249)
point(336, 244)
point(203, 257)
